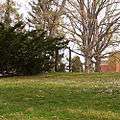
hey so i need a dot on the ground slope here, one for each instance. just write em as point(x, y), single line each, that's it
point(61, 96)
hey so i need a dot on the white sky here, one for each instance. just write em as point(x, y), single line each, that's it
point(24, 6)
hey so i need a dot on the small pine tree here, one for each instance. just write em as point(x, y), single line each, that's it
point(76, 64)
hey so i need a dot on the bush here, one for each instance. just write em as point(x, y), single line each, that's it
point(27, 53)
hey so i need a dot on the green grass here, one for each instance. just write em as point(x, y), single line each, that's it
point(61, 96)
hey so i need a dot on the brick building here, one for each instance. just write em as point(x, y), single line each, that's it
point(110, 68)
point(112, 64)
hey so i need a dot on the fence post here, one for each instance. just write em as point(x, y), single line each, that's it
point(56, 60)
point(69, 59)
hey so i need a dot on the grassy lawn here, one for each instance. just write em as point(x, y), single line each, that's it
point(61, 96)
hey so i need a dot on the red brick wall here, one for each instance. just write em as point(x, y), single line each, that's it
point(104, 68)
point(118, 67)
point(110, 68)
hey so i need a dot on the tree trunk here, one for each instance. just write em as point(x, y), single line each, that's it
point(88, 65)
point(97, 64)
point(7, 14)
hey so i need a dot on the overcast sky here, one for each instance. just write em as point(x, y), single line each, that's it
point(24, 6)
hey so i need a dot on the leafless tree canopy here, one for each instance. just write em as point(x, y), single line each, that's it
point(46, 14)
point(9, 13)
point(92, 25)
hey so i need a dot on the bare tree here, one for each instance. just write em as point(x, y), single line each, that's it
point(46, 14)
point(8, 13)
point(92, 25)
point(108, 26)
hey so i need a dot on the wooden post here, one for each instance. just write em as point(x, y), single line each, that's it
point(56, 60)
point(69, 59)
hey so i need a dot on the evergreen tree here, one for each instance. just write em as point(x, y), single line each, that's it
point(26, 53)
point(77, 65)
